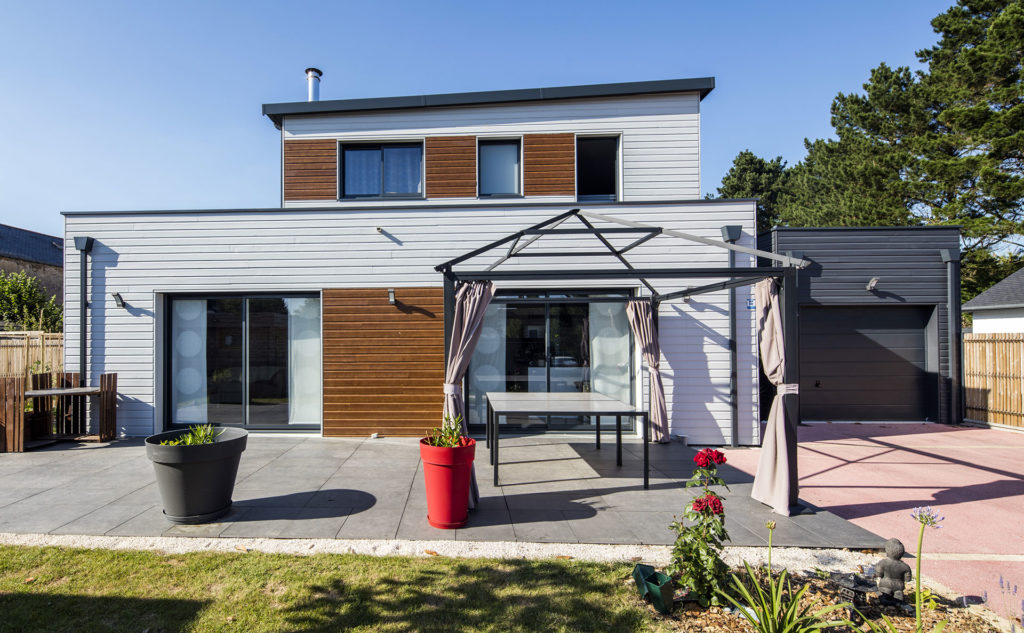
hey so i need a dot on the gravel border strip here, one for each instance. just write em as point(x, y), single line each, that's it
point(792, 558)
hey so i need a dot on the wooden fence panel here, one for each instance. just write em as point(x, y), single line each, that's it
point(26, 353)
point(994, 378)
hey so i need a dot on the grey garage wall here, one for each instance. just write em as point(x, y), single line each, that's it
point(906, 260)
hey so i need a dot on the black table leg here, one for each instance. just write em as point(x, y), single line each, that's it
point(497, 435)
point(597, 429)
point(646, 458)
point(618, 440)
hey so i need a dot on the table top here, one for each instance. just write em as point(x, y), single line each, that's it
point(574, 403)
point(62, 391)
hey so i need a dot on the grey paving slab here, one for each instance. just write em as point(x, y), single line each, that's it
point(102, 520)
point(34, 519)
point(151, 522)
point(554, 489)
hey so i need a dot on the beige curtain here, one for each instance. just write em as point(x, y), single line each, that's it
point(775, 483)
point(471, 301)
point(641, 321)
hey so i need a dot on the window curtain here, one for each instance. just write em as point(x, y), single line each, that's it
point(641, 321)
point(304, 370)
point(471, 301)
point(189, 397)
point(488, 363)
point(775, 483)
point(401, 170)
point(609, 351)
point(362, 172)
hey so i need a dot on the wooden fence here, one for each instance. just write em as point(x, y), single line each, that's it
point(24, 353)
point(994, 378)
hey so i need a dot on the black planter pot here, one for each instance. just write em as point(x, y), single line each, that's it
point(196, 482)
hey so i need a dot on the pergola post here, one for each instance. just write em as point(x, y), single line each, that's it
point(449, 313)
point(791, 375)
point(730, 234)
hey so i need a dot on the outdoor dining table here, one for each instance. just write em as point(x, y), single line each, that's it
point(501, 403)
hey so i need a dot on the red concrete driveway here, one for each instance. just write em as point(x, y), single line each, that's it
point(873, 475)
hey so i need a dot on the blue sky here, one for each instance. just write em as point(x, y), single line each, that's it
point(145, 105)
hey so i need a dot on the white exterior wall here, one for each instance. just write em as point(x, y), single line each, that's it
point(144, 256)
point(1001, 321)
point(659, 148)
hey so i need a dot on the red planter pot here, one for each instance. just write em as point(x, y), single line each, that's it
point(446, 472)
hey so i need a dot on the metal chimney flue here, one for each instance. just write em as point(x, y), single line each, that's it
point(313, 84)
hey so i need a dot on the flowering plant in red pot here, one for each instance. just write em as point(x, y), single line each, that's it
point(696, 555)
point(447, 457)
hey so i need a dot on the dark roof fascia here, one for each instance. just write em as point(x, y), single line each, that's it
point(277, 111)
point(1009, 306)
point(930, 227)
point(408, 207)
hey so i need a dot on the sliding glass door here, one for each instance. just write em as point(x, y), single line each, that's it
point(553, 342)
point(245, 361)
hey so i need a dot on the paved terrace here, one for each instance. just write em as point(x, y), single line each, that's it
point(554, 489)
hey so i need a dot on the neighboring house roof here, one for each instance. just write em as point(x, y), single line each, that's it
point(30, 246)
point(277, 111)
point(1008, 293)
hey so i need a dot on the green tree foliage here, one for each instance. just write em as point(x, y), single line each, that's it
point(938, 146)
point(754, 177)
point(25, 306)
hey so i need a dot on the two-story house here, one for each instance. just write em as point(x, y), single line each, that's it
point(326, 314)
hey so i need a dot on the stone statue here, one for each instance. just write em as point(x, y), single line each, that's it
point(892, 573)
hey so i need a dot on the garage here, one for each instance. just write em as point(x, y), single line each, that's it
point(866, 363)
point(878, 310)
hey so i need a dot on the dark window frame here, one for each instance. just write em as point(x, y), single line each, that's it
point(518, 142)
point(167, 336)
point(343, 145)
point(613, 197)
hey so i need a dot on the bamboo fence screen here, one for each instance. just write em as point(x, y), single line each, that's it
point(994, 378)
point(25, 353)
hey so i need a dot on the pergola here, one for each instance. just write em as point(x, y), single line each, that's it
point(605, 228)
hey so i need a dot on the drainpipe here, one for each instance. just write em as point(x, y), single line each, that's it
point(84, 246)
point(730, 234)
point(952, 260)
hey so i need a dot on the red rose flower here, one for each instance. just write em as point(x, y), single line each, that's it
point(701, 459)
point(705, 457)
point(718, 457)
point(699, 504)
point(714, 504)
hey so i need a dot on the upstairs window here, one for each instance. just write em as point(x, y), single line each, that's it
point(392, 170)
point(597, 172)
point(499, 168)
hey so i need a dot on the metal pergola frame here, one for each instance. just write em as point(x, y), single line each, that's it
point(785, 267)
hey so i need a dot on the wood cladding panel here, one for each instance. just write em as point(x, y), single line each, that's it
point(311, 170)
point(451, 166)
point(549, 164)
point(383, 363)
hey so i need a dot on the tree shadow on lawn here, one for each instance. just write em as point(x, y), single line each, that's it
point(455, 597)
point(41, 612)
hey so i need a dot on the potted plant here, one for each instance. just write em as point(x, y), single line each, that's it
point(195, 470)
point(447, 457)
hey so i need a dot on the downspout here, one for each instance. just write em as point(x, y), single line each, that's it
point(952, 261)
point(84, 246)
point(730, 234)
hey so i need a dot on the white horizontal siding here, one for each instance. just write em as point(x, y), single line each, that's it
point(144, 255)
point(660, 133)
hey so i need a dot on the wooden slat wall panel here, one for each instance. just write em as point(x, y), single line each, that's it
point(383, 364)
point(311, 170)
point(994, 378)
point(549, 164)
point(451, 166)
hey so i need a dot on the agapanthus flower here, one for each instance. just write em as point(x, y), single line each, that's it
point(927, 516)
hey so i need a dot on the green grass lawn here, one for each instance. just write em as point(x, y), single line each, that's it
point(57, 589)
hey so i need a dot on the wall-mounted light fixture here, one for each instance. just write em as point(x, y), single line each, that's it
point(872, 284)
point(118, 299)
point(391, 296)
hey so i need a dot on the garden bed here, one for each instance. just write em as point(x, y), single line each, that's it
point(691, 618)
